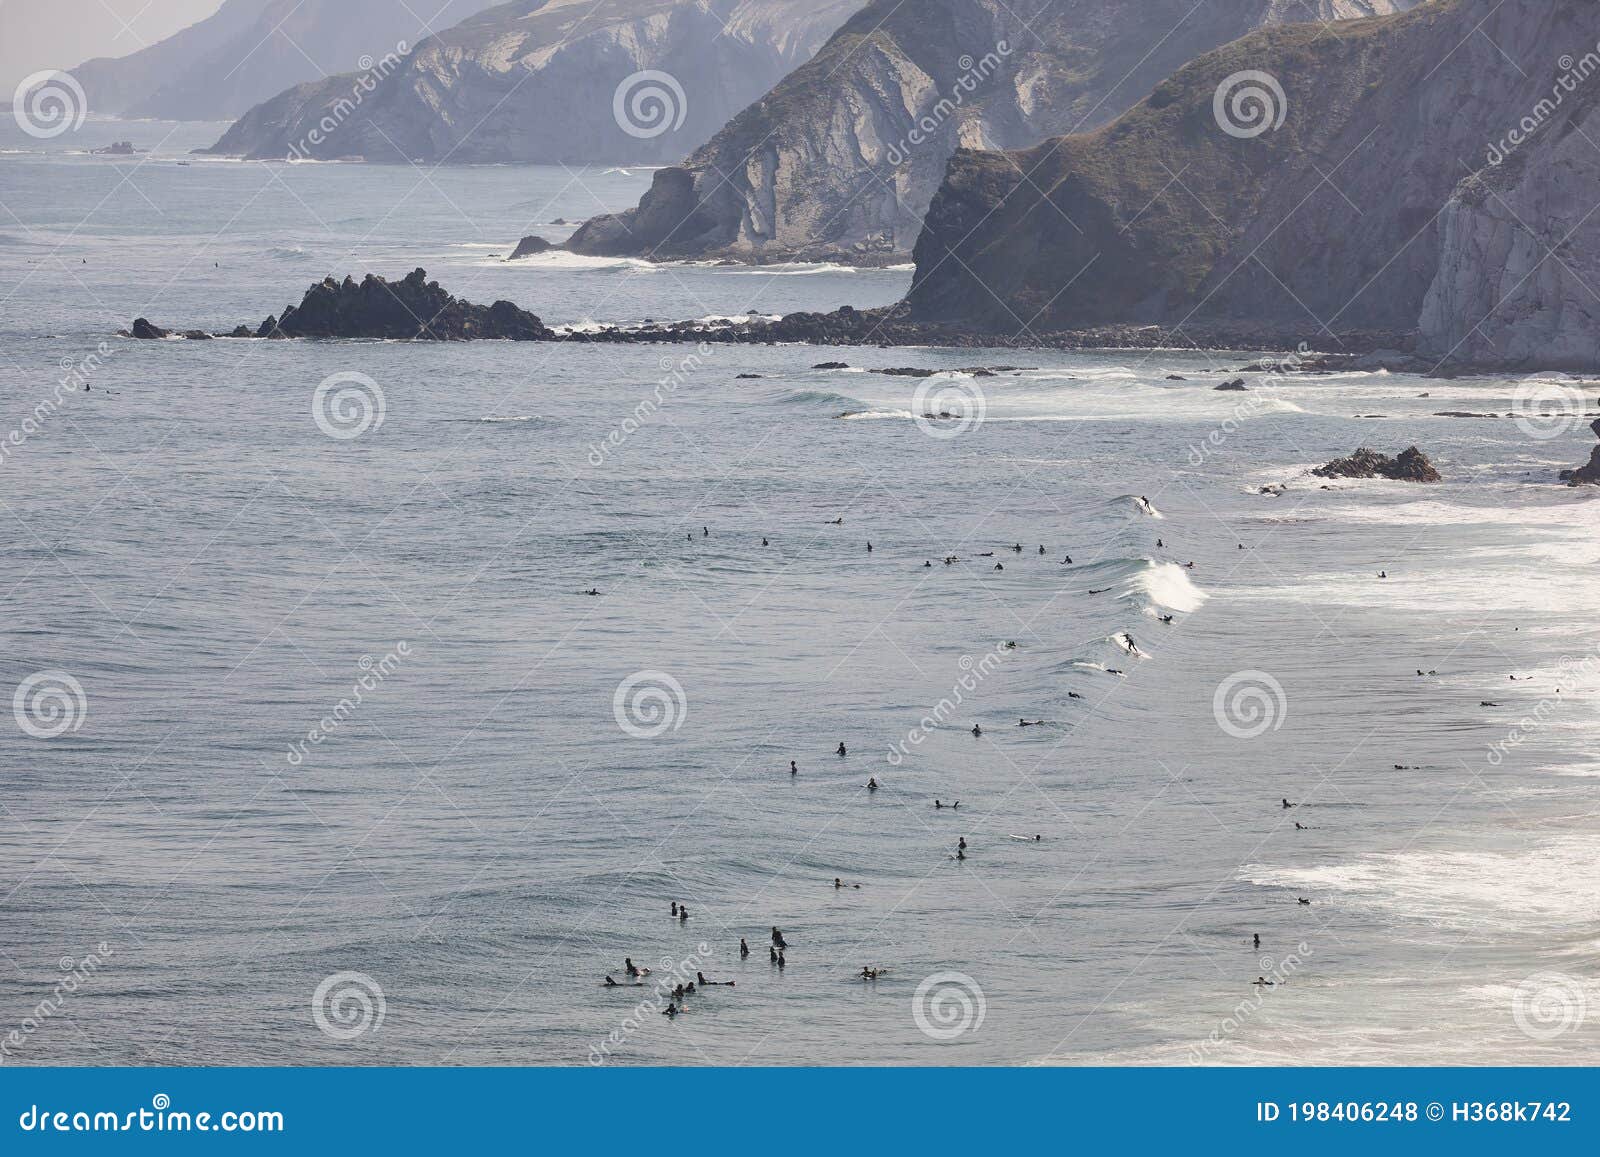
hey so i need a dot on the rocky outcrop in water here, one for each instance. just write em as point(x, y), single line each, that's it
point(550, 81)
point(839, 161)
point(1589, 473)
point(1410, 465)
point(530, 246)
point(1363, 194)
point(250, 49)
point(411, 308)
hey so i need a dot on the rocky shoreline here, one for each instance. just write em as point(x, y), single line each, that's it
point(416, 309)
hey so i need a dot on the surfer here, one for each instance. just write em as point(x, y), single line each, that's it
point(976, 730)
point(764, 542)
point(962, 843)
point(744, 949)
point(793, 770)
point(1286, 803)
point(841, 748)
point(683, 913)
point(1257, 939)
point(777, 938)
point(781, 961)
point(1166, 618)
point(627, 962)
point(869, 548)
point(1067, 561)
point(674, 907)
point(872, 783)
point(999, 566)
point(611, 983)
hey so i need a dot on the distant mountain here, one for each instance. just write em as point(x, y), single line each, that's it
point(1394, 196)
point(840, 160)
point(250, 49)
point(552, 81)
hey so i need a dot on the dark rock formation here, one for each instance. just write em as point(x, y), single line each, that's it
point(143, 329)
point(1235, 384)
point(1410, 465)
point(529, 246)
point(1370, 196)
point(1589, 473)
point(412, 307)
point(839, 161)
point(548, 81)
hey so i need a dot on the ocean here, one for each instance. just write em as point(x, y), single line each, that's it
point(321, 754)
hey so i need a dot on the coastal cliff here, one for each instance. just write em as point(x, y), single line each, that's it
point(1381, 188)
point(841, 159)
point(250, 49)
point(540, 81)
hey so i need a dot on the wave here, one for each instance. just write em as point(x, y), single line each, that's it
point(821, 397)
point(1140, 503)
point(854, 415)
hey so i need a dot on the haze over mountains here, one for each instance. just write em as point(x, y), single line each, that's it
point(538, 81)
point(249, 50)
point(1375, 205)
point(839, 162)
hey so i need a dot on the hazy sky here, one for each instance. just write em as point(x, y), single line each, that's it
point(36, 34)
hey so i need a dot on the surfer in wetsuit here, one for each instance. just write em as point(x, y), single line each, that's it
point(777, 938)
point(744, 949)
point(976, 730)
point(793, 770)
point(872, 783)
point(611, 983)
point(841, 748)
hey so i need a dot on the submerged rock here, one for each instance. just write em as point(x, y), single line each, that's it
point(411, 308)
point(1411, 465)
point(1235, 384)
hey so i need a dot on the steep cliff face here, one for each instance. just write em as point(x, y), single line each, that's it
point(550, 81)
point(1373, 205)
point(841, 159)
point(249, 49)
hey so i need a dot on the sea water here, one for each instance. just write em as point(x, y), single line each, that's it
point(350, 729)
